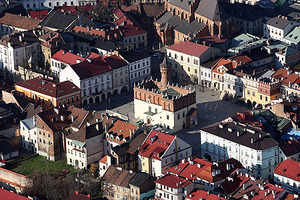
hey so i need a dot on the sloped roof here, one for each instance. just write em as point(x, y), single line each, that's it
point(152, 10)
point(6, 148)
point(211, 9)
point(8, 195)
point(290, 148)
point(122, 129)
point(115, 61)
point(86, 133)
point(294, 35)
point(118, 176)
point(49, 87)
point(66, 57)
point(173, 181)
point(189, 48)
point(183, 4)
point(197, 194)
point(19, 21)
point(289, 168)
point(78, 196)
point(278, 22)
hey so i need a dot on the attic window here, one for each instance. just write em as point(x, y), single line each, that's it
point(284, 170)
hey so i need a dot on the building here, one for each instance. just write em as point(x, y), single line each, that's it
point(48, 93)
point(204, 174)
point(93, 76)
point(18, 52)
point(289, 150)
point(7, 151)
point(139, 64)
point(201, 194)
point(293, 38)
point(278, 27)
point(172, 187)
point(251, 146)
point(118, 183)
point(286, 174)
point(134, 37)
point(118, 133)
point(61, 59)
point(11, 22)
point(47, 4)
point(85, 146)
point(287, 57)
point(28, 131)
point(120, 73)
point(163, 104)
point(161, 151)
point(76, 196)
point(186, 58)
point(7, 195)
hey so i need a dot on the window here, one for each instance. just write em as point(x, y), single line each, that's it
point(168, 117)
point(253, 94)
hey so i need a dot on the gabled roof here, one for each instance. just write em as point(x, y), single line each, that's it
point(77, 196)
point(122, 130)
point(183, 4)
point(129, 30)
point(280, 73)
point(228, 64)
point(294, 35)
point(118, 176)
point(152, 10)
point(86, 133)
point(66, 57)
point(38, 14)
point(189, 48)
point(7, 195)
point(278, 22)
point(19, 21)
point(27, 38)
point(115, 61)
point(6, 148)
point(290, 148)
point(48, 87)
point(289, 168)
point(156, 144)
point(211, 9)
point(272, 191)
point(201, 194)
point(139, 178)
point(173, 181)
point(93, 65)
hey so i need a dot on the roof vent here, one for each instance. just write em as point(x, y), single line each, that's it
point(221, 125)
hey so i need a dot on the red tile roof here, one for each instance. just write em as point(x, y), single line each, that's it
point(19, 21)
point(122, 129)
point(281, 72)
point(227, 63)
point(76, 196)
point(272, 191)
point(49, 87)
point(115, 61)
point(7, 195)
point(291, 78)
point(173, 181)
point(38, 14)
point(230, 185)
point(201, 194)
point(189, 48)
point(288, 168)
point(198, 168)
point(118, 13)
point(112, 33)
point(156, 144)
point(241, 59)
point(66, 57)
point(104, 159)
point(129, 30)
point(93, 65)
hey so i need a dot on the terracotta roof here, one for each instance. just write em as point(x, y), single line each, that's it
point(19, 21)
point(290, 148)
point(76, 196)
point(121, 129)
point(233, 183)
point(112, 33)
point(104, 159)
point(272, 191)
point(173, 181)
point(156, 144)
point(118, 13)
point(289, 168)
point(7, 195)
point(118, 176)
point(198, 168)
point(224, 62)
point(281, 72)
point(291, 78)
point(201, 194)
point(129, 30)
point(115, 61)
point(189, 48)
point(241, 59)
point(93, 65)
point(48, 87)
point(38, 14)
point(67, 57)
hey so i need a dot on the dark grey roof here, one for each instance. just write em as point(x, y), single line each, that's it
point(62, 20)
point(278, 22)
point(103, 44)
point(6, 148)
point(184, 4)
point(178, 24)
point(138, 179)
point(210, 64)
point(245, 137)
point(28, 38)
point(211, 9)
point(132, 56)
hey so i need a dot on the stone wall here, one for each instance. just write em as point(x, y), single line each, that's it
point(13, 181)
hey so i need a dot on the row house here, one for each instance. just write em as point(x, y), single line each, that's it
point(45, 132)
point(139, 66)
point(202, 194)
point(19, 51)
point(278, 27)
point(293, 38)
point(160, 151)
point(120, 132)
point(287, 57)
point(134, 185)
point(261, 90)
point(41, 5)
point(251, 146)
point(11, 22)
point(186, 58)
point(48, 93)
point(287, 175)
point(204, 174)
point(93, 76)
point(289, 150)
point(61, 59)
point(85, 146)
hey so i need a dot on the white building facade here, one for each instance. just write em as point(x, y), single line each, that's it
point(43, 4)
point(28, 132)
point(278, 27)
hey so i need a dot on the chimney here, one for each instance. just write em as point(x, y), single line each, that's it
point(72, 118)
point(281, 51)
point(20, 38)
point(97, 127)
point(62, 118)
point(130, 133)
